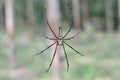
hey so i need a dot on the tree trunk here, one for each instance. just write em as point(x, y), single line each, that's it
point(53, 17)
point(76, 14)
point(1, 15)
point(30, 17)
point(10, 31)
point(109, 16)
point(119, 16)
point(85, 15)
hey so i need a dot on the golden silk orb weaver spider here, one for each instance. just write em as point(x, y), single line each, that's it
point(60, 41)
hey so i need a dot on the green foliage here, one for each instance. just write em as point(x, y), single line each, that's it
point(96, 9)
point(20, 9)
point(39, 10)
point(101, 58)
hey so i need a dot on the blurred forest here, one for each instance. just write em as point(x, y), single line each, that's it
point(23, 26)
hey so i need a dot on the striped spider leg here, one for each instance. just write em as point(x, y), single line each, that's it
point(60, 41)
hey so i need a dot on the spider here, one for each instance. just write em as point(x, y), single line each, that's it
point(60, 41)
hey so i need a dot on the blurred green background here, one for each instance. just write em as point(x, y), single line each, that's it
point(99, 42)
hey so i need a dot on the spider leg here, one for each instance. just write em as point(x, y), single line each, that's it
point(52, 59)
point(72, 37)
point(72, 48)
point(68, 30)
point(46, 48)
point(66, 57)
point(49, 24)
point(50, 38)
point(51, 29)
